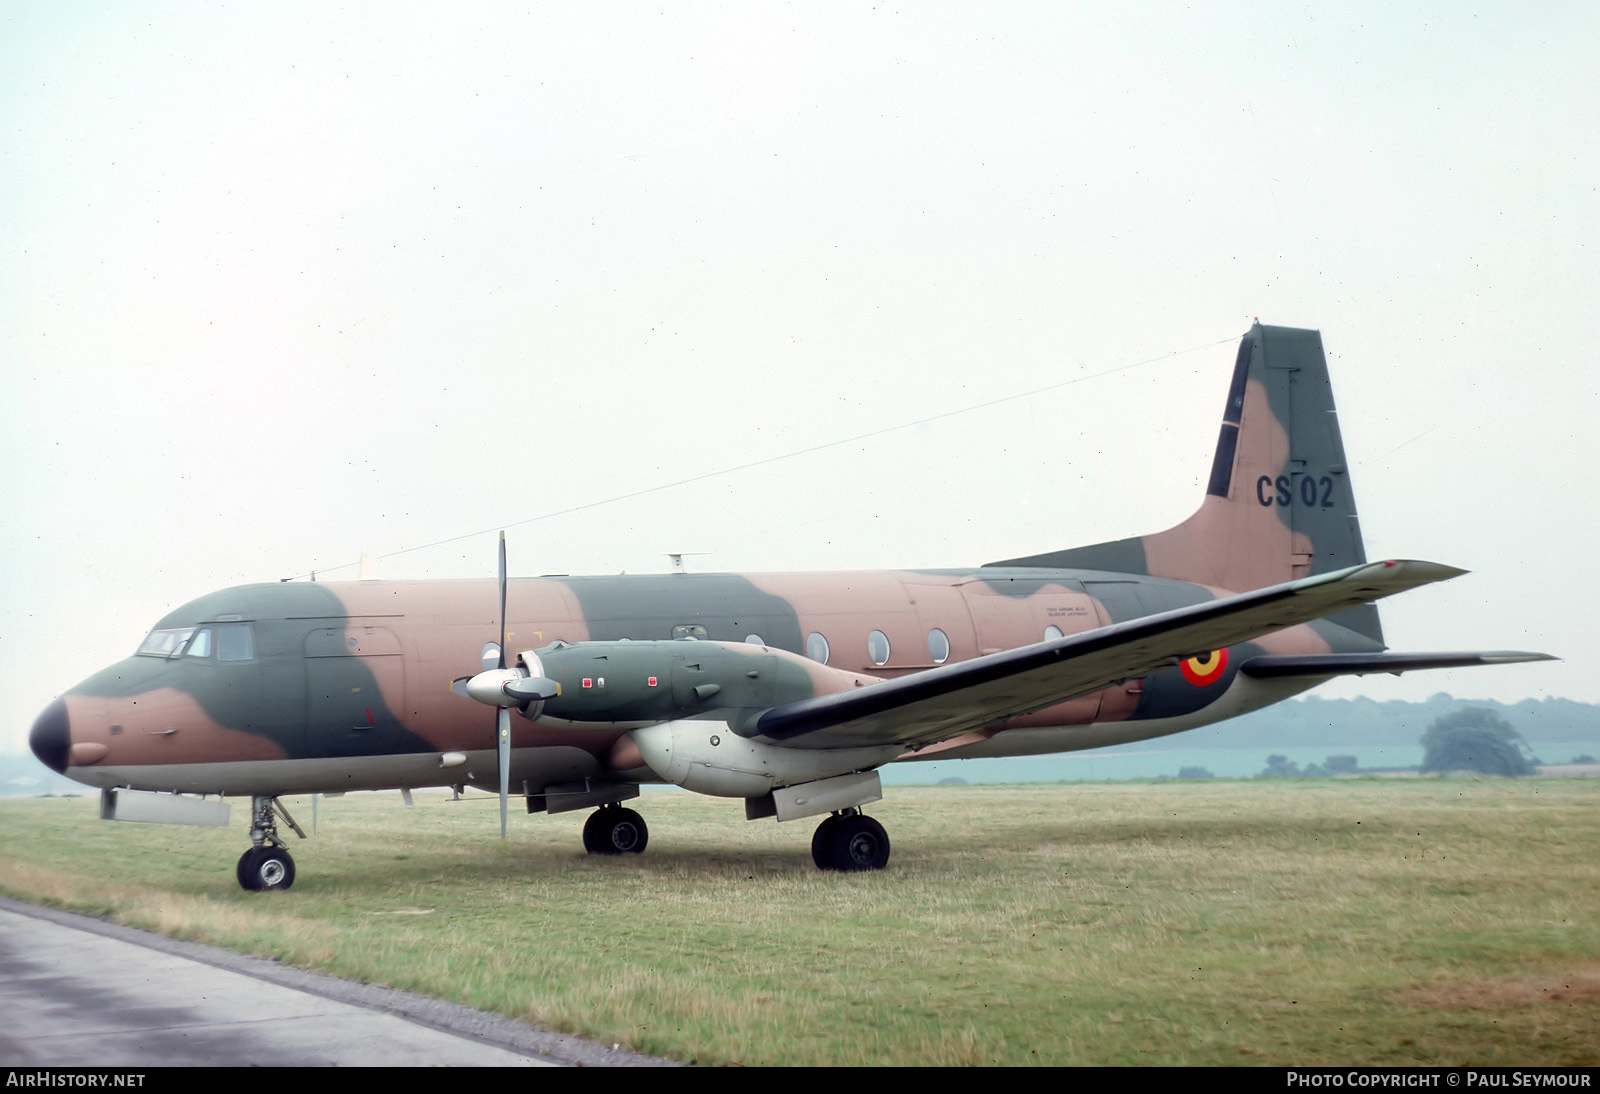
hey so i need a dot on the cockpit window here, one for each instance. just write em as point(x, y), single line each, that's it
point(235, 642)
point(165, 643)
point(228, 641)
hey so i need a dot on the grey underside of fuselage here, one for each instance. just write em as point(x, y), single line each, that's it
point(533, 769)
point(539, 767)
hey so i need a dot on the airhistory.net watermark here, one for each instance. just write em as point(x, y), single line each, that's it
point(44, 1077)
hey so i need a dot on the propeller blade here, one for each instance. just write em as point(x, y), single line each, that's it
point(503, 747)
point(502, 717)
point(502, 600)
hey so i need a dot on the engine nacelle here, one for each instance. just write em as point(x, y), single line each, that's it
point(636, 683)
point(709, 758)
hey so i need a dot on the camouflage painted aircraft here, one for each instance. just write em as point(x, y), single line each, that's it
point(786, 690)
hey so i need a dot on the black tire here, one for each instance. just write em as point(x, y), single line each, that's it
point(858, 843)
point(614, 831)
point(821, 854)
point(265, 869)
point(591, 832)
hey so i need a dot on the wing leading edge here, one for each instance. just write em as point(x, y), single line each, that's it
point(940, 703)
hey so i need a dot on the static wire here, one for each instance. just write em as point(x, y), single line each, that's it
point(776, 459)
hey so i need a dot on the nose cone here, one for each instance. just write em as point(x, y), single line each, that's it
point(51, 737)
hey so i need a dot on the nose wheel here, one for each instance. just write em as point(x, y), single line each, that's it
point(613, 830)
point(267, 865)
point(848, 842)
point(265, 868)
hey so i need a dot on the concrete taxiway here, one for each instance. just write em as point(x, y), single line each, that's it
point(78, 992)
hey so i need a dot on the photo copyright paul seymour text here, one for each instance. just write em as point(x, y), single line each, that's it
point(1465, 1077)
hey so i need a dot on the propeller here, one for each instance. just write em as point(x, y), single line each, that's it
point(502, 716)
point(504, 688)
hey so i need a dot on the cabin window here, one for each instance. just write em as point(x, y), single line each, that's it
point(817, 648)
point(688, 630)
point(1052, 632)
point(200, 644)
point(878, 647)
point(938, 646)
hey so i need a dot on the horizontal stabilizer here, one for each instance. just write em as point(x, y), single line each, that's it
point(1271, 666)
point(940, 703)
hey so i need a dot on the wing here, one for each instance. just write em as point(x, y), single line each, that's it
point(940, 703)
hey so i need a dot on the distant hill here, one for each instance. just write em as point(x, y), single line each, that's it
point(21, 775)
point(1550, 725)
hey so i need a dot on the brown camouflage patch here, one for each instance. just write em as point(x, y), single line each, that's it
point(161, 726)
point(1230, 543)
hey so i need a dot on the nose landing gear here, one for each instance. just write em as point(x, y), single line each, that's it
point(267, 865)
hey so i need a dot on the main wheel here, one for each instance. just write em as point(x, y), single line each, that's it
point(858, 843)
point(615, 831)
point(591, 831)
point(820, 839)
point(265, 868)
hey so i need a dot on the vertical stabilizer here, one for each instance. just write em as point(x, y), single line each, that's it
point(1278, 502)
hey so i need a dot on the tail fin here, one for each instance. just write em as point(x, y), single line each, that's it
point(1278, 504)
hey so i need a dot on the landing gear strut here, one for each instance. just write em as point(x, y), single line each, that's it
point(613, 830)
point(849, 841)
point(267, 865)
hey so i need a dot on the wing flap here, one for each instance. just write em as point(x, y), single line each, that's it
point(940, 703)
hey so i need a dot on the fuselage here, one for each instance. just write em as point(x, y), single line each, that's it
point(324, 687)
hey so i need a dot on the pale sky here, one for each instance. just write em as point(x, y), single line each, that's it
point(281, 283)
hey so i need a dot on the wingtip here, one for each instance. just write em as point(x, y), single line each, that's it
point(1423, 570)
point(1515, 657)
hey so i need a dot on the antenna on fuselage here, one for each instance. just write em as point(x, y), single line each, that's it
point(677, 558)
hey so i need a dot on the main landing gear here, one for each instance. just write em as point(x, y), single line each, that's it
point(850, 840)
point(613, 830)
point(267, 865)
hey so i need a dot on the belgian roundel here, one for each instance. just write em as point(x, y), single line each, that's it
point(1206, 669)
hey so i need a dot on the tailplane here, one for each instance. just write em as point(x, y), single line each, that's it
point(1278, 503)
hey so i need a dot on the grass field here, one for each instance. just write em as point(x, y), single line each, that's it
point(1279, 922)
